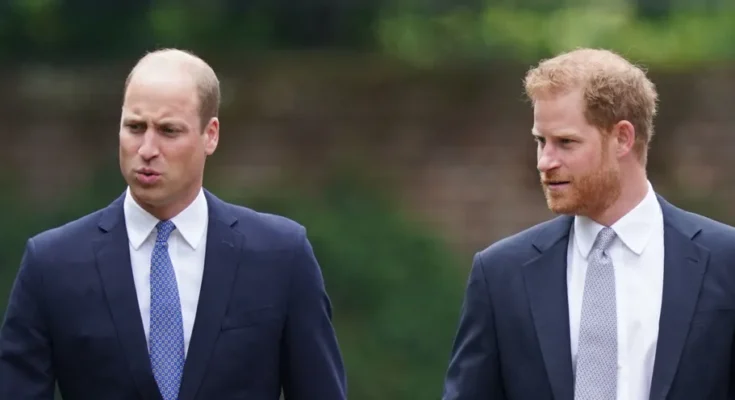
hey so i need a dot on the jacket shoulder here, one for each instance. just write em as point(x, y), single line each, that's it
point(518, 248)
point(712, 234)
point(67, 237)
point(267, 231)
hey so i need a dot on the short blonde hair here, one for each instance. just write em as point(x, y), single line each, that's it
point(613, 88)
point(207, 83)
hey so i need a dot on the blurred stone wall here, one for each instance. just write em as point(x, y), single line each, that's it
point(454, 142)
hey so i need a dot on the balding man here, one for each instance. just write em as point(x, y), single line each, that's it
point(170, 293)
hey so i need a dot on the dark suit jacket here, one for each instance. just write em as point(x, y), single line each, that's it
point(513, 337)
point(263, 322)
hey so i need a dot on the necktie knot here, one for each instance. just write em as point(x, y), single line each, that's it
point(164, 230)
point(604, 239)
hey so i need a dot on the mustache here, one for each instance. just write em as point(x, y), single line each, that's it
point(554, 178)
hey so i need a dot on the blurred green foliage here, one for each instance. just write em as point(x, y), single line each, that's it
point(658, 32)
point(22, 218)
point(681, 40)
point(395, 288)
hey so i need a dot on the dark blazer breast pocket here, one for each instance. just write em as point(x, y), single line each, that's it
point(251, 318)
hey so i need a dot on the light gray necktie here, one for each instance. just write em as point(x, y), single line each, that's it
point(597, 355)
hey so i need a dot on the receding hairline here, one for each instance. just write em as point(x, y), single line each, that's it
point(205, 79)
point(174, 58)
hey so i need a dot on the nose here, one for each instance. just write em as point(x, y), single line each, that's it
point(547, 159)
point(149, 147)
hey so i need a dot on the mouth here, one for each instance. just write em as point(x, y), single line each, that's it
point(147, 177)
point(147, 172)
point(556, 184)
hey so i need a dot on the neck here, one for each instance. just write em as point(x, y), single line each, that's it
point(633, 189)
point(167, 211)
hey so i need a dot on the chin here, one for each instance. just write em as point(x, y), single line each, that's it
point(149, 195)
point(561, 208)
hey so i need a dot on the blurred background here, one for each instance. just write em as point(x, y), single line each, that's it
point(396, 131)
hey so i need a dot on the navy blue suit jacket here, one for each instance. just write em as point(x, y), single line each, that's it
point(263, 322)
point(513, 337)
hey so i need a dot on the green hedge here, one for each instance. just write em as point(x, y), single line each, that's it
point(682, 40)
point(396, 288)
point(660, 32)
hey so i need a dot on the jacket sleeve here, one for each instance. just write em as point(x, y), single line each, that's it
point(312, 363)
point(474, 366)
point(26, 370)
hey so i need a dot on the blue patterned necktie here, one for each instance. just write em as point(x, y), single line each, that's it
point(166, 326)
point(597, 356)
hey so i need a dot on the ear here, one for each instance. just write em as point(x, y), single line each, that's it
point(624, 134)
point(211, 136)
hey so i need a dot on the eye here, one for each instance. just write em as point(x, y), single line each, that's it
point(540, 140)
point(169, 130)
point(135, 127)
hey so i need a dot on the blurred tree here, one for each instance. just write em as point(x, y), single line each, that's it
point(395, 287)
point(323, 23)
point(422, 31)
point(72, 30)
point(653, 9)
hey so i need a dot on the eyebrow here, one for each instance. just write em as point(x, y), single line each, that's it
point(165, 122)
point(131, 119)
point(558, 135)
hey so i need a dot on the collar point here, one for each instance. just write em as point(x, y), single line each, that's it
point(136, 245)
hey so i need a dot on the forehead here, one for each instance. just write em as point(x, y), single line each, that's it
point(560, 114)
point(159, 92)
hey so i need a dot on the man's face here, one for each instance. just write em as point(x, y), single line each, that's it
point(576, 161)
point(162, 146)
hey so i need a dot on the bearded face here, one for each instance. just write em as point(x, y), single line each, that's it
point(589, 191)
point(578, 170)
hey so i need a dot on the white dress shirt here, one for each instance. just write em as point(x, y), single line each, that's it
point(187, 245)
point(638, 257)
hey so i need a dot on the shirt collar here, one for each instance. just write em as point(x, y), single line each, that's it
point(190, 223)
point(634, 229)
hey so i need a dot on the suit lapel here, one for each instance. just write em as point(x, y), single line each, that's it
point(546, 287)
point(113, 264)
point(222, 258)
point(684, 267)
